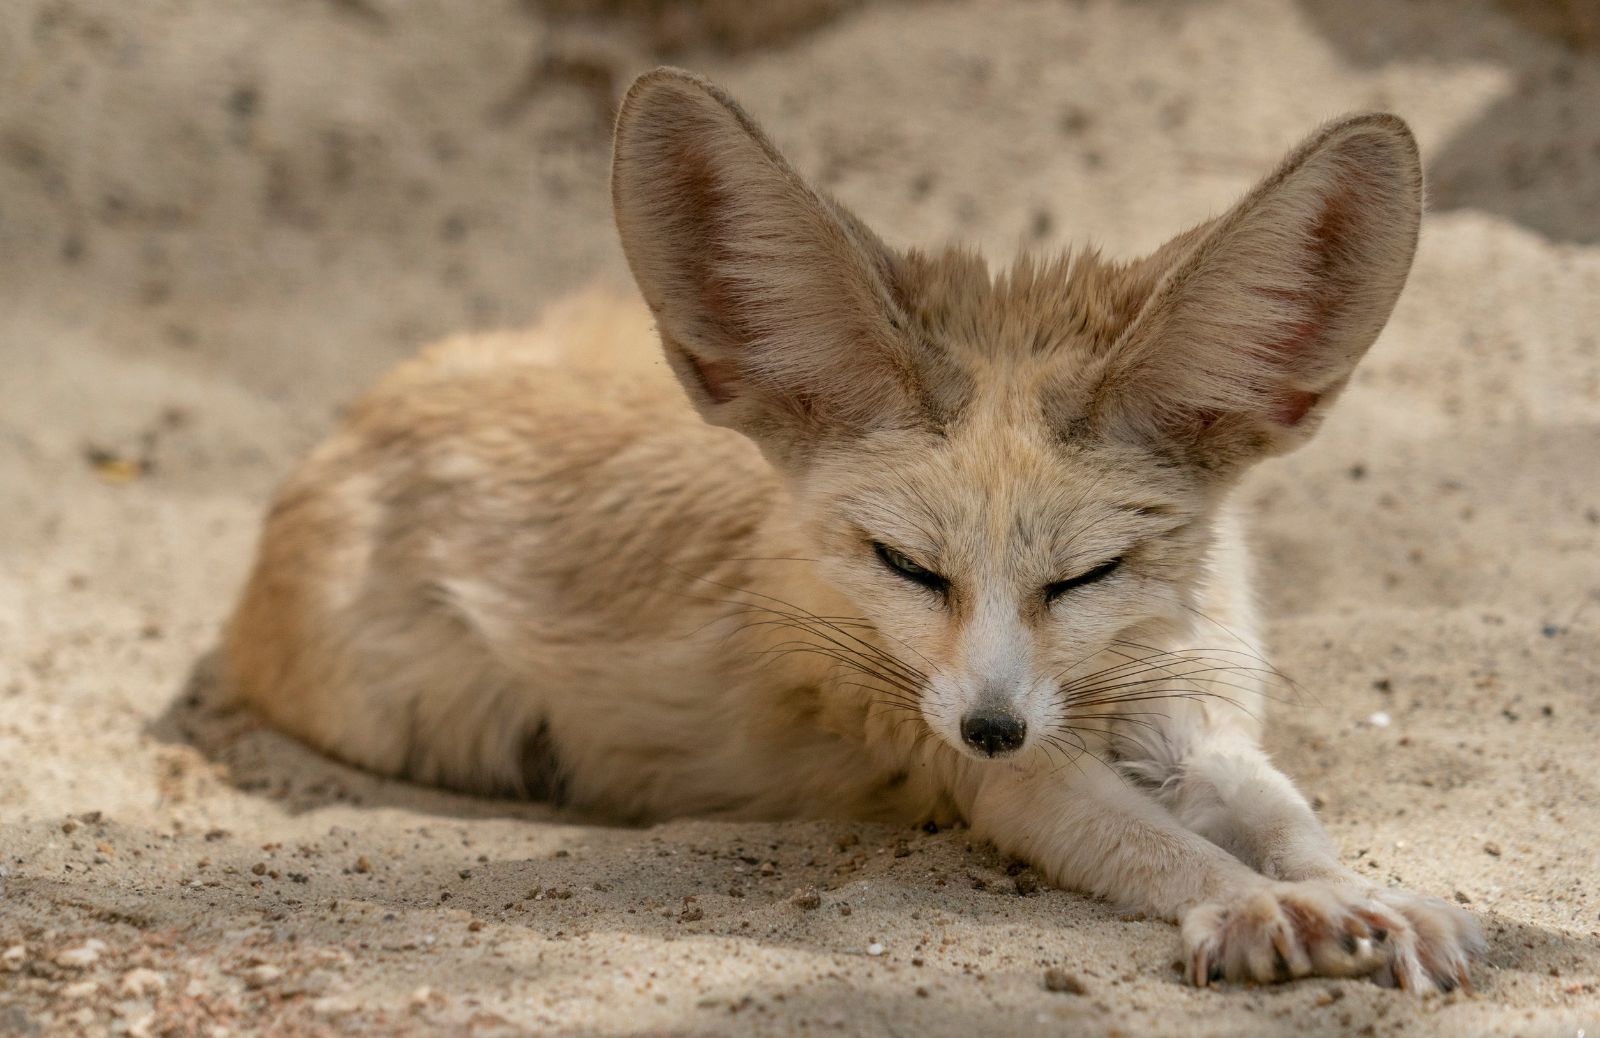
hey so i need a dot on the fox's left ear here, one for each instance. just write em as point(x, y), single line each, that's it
point(1255, 328)
point(774, 303)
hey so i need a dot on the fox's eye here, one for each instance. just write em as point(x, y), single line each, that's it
point(904, 567)
point(1061, 587)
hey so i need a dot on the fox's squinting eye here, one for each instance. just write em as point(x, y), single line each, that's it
point(1061, 587)
point(904, 567)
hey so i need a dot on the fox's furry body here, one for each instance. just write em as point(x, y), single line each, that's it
point(525, 565)
point(575, 608)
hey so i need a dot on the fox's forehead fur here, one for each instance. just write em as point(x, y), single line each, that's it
point(1020, 346)
point(1041, 308)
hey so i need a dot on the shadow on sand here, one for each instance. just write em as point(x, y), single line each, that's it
point(1531, 156)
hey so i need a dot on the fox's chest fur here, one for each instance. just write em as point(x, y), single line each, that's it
point(881, 535)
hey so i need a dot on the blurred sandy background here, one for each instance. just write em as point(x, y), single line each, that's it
point(220, 219)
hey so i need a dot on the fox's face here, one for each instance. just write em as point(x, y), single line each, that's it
point(997, 562)
point(1010, 476)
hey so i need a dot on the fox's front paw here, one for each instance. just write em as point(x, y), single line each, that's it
point(1435, 946)
point(1288, 930)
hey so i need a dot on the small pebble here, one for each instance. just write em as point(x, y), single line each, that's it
point(1461, 897)
point(13, 957)
point(82, 989)
point(807, 898)
point(363, 864)
point(1059, 980)
point(1492, 849)
point(83, 956)
point(1379, 720)
point(137, 983)
point(312, 985)
point(261, 976)
point(874, 948)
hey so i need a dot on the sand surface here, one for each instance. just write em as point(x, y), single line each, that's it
point(220, 219)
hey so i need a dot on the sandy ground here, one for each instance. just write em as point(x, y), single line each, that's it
point(220, 219)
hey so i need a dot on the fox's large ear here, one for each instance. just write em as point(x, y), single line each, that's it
point(1260, 321)
point(773, 303)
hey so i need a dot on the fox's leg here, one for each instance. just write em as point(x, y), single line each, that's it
point(1222, 785)
point(1092, 830)
point(1202, 756)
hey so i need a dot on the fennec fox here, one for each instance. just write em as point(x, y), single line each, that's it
point(938, 545)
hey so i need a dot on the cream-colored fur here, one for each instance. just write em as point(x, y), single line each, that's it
point(939, 544)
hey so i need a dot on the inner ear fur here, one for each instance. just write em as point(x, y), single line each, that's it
point(773, 303)
point(1261, 318)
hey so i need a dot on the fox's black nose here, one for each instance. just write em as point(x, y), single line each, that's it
point(993, 734)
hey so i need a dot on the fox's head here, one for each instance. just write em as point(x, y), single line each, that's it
point(1007, 474)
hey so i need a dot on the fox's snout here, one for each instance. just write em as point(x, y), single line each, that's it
point(994, 733)
point(986, 719)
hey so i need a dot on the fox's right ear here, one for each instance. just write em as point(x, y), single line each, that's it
point(1255, 329)
point(773, 303)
